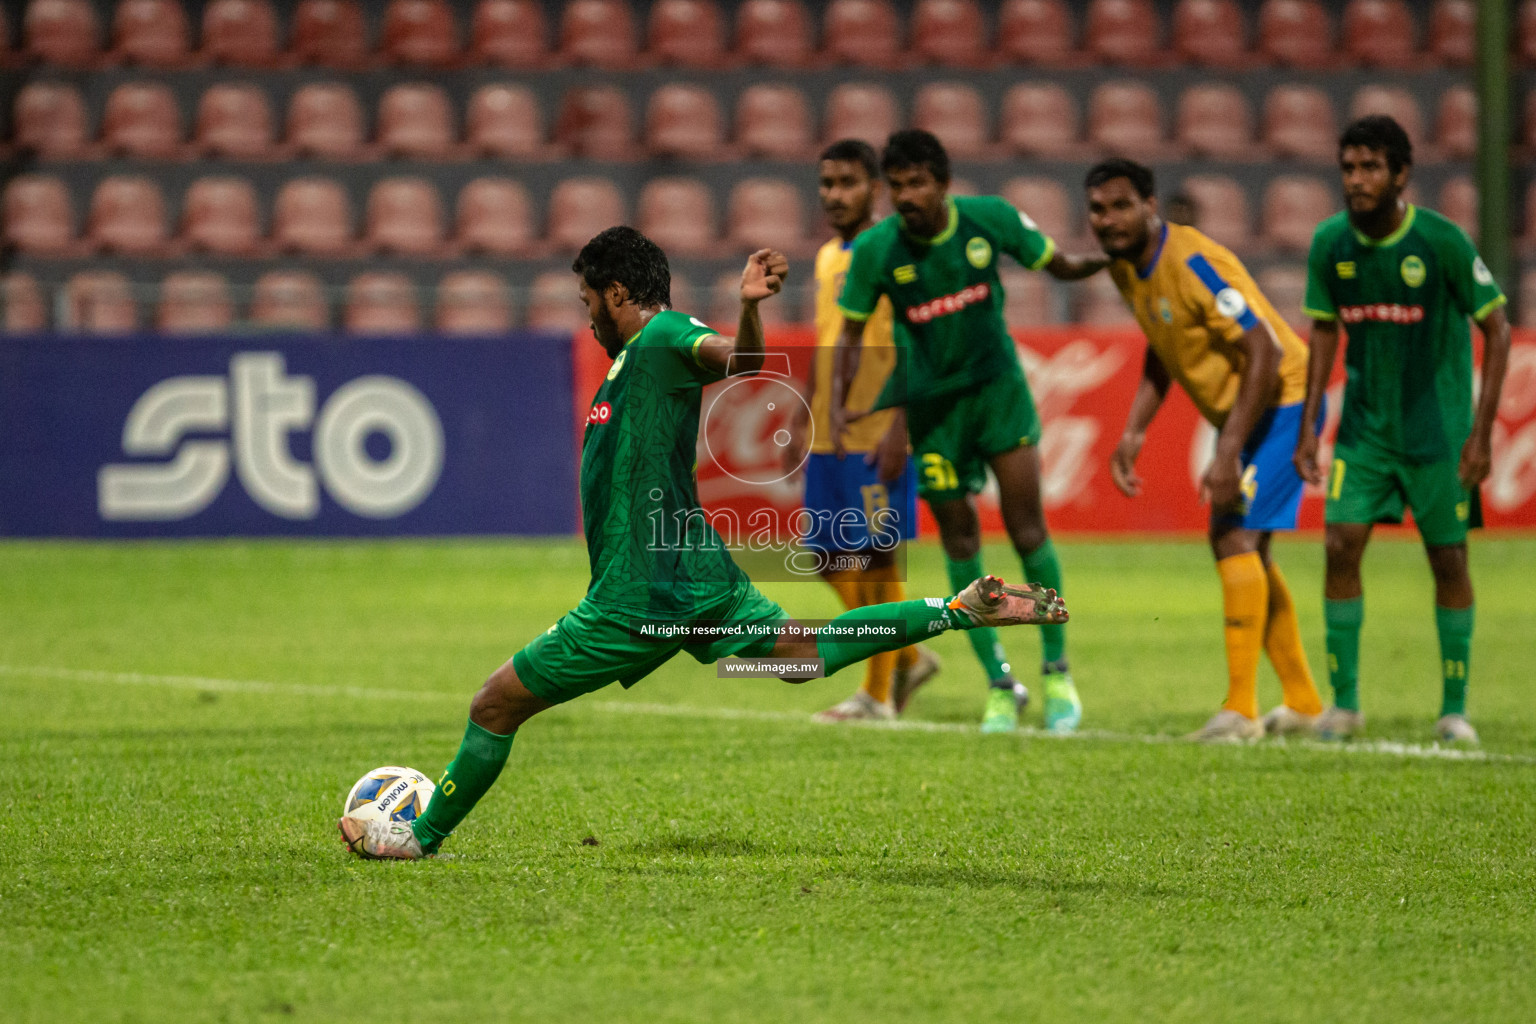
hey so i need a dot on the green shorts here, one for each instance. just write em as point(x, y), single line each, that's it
point(592, 646)
point(1366, 487)
point(953, 437)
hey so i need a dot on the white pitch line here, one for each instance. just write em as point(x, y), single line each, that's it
point(1387, 748)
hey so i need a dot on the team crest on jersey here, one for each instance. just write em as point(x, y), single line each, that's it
point(1480, 272)
point(979, 252)
point(1413, 271)
point(618, 364)
point(1164, 309)
point(1346, 270)
point(905, 275)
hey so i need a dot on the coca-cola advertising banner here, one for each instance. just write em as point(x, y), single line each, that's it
point(1083, 379)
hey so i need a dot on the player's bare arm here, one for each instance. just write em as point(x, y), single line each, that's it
point(1150, 393)
point(1477, 453)
point(845, 366)
point(890, 456)
point(763, 277)
point(1323, 348)
point(1259, 382)
point(1075, 266)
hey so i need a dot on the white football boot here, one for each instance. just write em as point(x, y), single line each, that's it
point(989, 601)
point(860, 707)
point(1287, 721)
point(1455, 729)
point(1339, 724)
point(1228, 727)
point(380, 839)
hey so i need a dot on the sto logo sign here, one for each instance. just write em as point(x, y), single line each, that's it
point(258, 406)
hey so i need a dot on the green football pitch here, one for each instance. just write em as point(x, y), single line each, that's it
point(183, 721)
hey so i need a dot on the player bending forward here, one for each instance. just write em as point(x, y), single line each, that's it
point(1209, 328)
point(656, 561)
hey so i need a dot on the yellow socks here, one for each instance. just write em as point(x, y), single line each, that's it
point(1245, 603)
point(1282, 642)
point(846, 583)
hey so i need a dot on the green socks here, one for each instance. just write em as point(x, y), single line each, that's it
point(1343, 619)
point(994, 660)
point(1041, 566)
point(919, 619)
point(480, 759)
point(1455, 628)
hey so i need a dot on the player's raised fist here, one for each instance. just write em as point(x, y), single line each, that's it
point(764, 276)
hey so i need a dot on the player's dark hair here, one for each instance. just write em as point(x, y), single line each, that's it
point(1383, 134)
point(623, 255)
point(1139, 175)
point(854, 151)
point(915, 148)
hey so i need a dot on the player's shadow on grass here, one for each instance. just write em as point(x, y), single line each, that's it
point(957, 878)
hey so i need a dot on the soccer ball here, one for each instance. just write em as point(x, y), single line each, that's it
point(398, 794)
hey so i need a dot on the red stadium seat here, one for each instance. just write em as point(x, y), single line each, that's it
point(1456, 124)
point(419, 33)
point(1210, 33)
point(62, 32)
point(684, 122)
point(325, 120)
point(1124, 32)
point(141, 119)
point(600, 33)
point(194, 302)
point(1037, 32)
point(1380, 33)
point(234, 121)
point(956, 114)
point(1126, 118)
point(416, 122)
point(862, 32)
point(725, 305)
point(404, 218)
point(312, 217)
point(127, 217)
point(1297, 34)
point(473, 302)
point(219, 216)
point(773, 122)
point(509, 34)
point(765, 212)
point(100, 302)
point(495, 218)
point(951, 33)
point(1453, 33)
point(1398, 103)
point(380, 302)
point(241, 33)
point(1293, 207)
point(22, 309)
point(49, 121)
point(678, 214)
point(860, 111)
point(579, 208)
point(1215, 122)
point(1223, 206)
point(330, 33)
point(1285, 286)
point(39, 219)
point(153, 33)
point(1458, 203)
point(292, 300)
point(1041, 120)
point(1045, 202)
point(775, 33)
point(1096, 302)
point(553, 304)
point(595, 123)
point(1300, 123)
point(1027, 298)
point(504, 121)
point(686, 33)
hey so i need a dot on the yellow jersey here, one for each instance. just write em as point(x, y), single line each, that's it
point(876, 359)
point(1194, 303)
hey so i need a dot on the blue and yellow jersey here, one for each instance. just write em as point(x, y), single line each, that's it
point(876, 360)
point(1194, 303)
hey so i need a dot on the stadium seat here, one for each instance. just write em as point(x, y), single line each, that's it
point(1096, 302)
point(686, 33)
point(219, 216)
point(1124, 32)
point(774, 33)
point(1215, 122)
point(127, 217)
point(241, 33)
point(857, 110)
point(766, 212)
point(1452, 38)
point(509, 34)
point(404, 217)
point(39, 219)
point(1456, 124)
point(553, 304)
point(49, 121)
point(1285, 286)
point(579, 208)
point(678, 214)
point(1294, 205)
point(684, 122)
point(325, 121)
point(151, 33)
point(22, 309)
point(724, 311)
point(595, 123)
point(194, 302)
point(330, 33)
point(950, 33)
point(862, 32)
point(1210, 33)
point(1045, 202)
point(1027, 297)
point(381, 302)
point(234, 121)
point(290, 299)
point(773, 123)
point(141, 120)
point(100, 302)
point(1296, 34)
point(419, 33)
point(600, 33)
point(312, 217)
point(1040, 120)
point(1458, 203)
point(1300, 123)
point(473, 302)
point(416, 122)
point(1397, 102)
point(956, 114)
point(65, 33)
point(1380, 33)
point(504, 121)
point(1125, 118)
point(1037, 32)
point(1224, 212)
point(495, 218)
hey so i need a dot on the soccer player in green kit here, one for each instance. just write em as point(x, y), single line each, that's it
point(662, 578)
point(958, 386)
point(1403, 281)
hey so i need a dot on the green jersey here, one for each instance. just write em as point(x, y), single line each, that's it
point(948, 300)
point(1404, 301)
point(652, 550)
